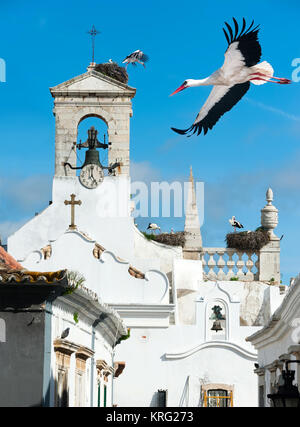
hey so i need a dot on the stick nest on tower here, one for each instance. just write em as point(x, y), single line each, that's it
point(171, 239)
point(248, 241)
point(113, 70)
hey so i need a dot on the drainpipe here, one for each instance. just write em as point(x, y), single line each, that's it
point(47, 354)
point(112, 364)
point(92, 365)
point(113, 377)
point(94, 325)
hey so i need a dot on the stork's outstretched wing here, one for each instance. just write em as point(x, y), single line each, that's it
point(137, 55)
point(221, 99)
point(242, 46)
point(143, 57)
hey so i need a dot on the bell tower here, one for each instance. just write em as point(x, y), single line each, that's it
point(92, 94)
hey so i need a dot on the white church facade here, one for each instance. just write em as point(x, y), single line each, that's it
point(189, 309)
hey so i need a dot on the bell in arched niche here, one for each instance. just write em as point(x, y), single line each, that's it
point(217, 316)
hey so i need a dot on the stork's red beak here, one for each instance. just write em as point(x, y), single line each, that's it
point(179, 89)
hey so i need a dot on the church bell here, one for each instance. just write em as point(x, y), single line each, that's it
point(92, 154)
point(92, 157)
point(217, 326)
point(92, 143)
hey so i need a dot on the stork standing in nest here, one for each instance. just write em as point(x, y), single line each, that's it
point(236, 224)
point(232, 80)
point(153, 227)
point(134, 57)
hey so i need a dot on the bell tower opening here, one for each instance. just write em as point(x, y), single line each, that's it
point(82, 135)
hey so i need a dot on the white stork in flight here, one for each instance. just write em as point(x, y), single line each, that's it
point(232, 80)
point(236, 224)
point(136, 56)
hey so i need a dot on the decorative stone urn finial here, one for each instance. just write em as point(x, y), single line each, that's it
point(269, 196)
point(269, 214)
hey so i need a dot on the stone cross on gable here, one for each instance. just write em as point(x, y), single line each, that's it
point(72, 202)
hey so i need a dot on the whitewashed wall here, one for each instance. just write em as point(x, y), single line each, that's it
point(107, 276)
point(104, 214)
point(174, 357)
point(183, 357)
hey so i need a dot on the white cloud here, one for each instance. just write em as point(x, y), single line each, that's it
point(143, 171)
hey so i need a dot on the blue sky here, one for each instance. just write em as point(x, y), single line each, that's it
point(254, 146)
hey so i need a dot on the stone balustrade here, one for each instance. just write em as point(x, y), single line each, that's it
point(224, 264)
point(262, 265)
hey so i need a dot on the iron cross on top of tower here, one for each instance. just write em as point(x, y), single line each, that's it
point(93, 33)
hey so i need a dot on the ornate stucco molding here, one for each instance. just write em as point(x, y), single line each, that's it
point(260, 372)
point(101, 365)
point(98, 250)
point(223, 344)
point(81, 355)
point(65, 346)
point(63, 350)
point(104, 370)
point(84, 353)
point(295, 351)
point(47, 252)
point(134, 272)
point(119, 368)
point(217, 386)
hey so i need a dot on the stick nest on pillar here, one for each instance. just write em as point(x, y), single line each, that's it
point(171, 239)
point(113, 70)
point(248, 240)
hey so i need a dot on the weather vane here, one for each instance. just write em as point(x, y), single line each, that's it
point(93, 32)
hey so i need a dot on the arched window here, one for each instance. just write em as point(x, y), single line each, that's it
point(2, 330)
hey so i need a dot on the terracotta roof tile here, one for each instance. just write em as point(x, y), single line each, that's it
point(32, 276)
point(6, 260)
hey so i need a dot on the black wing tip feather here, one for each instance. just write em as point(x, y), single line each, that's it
point(232, 38)
point(192, 130)
point(226, 35)
point(181, 131)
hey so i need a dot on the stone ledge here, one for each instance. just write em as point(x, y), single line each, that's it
point(84, 353)
point(65, 346)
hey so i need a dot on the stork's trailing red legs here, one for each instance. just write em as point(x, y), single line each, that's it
point(282, 80)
